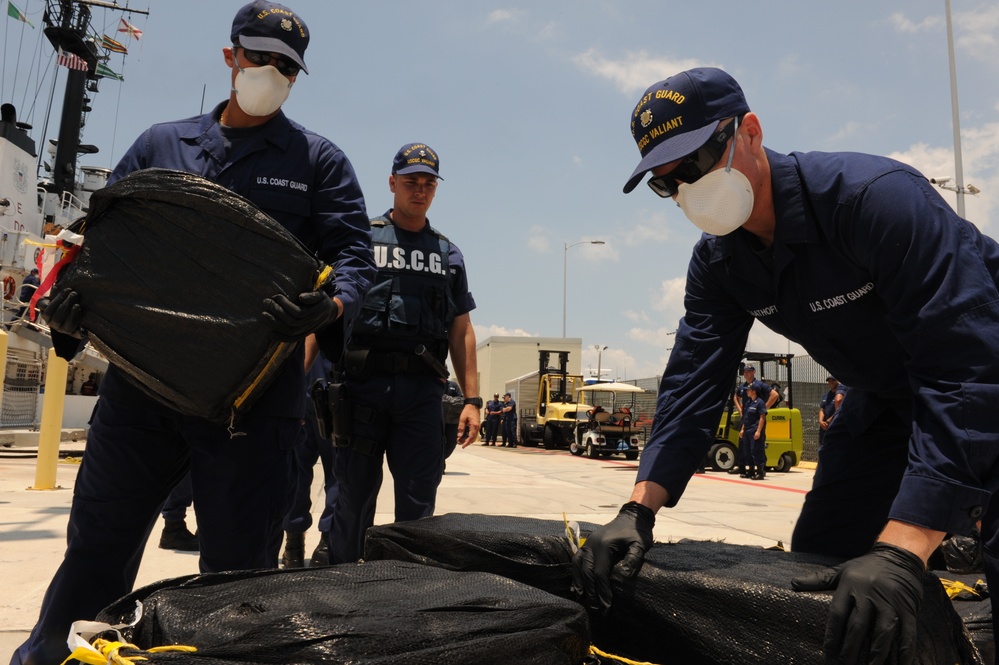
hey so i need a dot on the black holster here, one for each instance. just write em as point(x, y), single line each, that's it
point(334, 412)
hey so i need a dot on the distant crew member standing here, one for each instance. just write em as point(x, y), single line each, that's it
point(494, 410)
point(752, 434)
point(509, 421)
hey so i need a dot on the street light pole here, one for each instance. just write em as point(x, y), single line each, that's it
point(600, 355)
point(565, 263)
point(958, 168)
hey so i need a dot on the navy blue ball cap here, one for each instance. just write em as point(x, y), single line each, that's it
point(416, 158)
point(677, 116)
point(748, 368)
point(271, 28)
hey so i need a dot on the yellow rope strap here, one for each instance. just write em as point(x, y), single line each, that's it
point(954, 588)
point(108, 653)
point(602, 654)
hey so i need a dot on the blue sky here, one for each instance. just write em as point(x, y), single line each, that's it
point(528, 107)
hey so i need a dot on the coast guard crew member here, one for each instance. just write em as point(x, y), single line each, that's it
point(766, 392)
point(741, 399)
point(752, 435)
point(416, 313)
point(829, 406)
point(858, 259)
point(136, 449)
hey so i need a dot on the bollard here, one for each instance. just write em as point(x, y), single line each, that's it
point(3, 359)
point(50, 432)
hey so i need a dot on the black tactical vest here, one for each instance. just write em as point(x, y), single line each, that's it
point(410, 300)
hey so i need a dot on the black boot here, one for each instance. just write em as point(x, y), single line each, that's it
point(748, 472)
point(321, 555)
point(761, 473)
point(175, 536)
point(294, 550)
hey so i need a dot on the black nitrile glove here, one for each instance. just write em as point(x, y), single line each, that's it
point(291, 322)
point(63, 313)
point(615, 549)
point(876, 601)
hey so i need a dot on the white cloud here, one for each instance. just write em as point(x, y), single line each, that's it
point(975, 32)
point(652, 226)
point(482, 332)
point(636, 71)
point(848, 130)
point(636, 316)
point(538, 240)
point(504, 15)
point(902, 23)
point(670, 297)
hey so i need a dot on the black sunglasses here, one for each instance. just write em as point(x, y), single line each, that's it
point(693, 167)
point(262, 59)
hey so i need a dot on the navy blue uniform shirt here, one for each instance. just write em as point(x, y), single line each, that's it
point(751, 414)
point(879, 280)
point(762, 391)
point(299, 178)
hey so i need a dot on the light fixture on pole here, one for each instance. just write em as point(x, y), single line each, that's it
point(600, 355)
point(943, 183)
point(565, 254)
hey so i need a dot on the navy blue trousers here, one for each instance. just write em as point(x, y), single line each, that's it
point(492, 429)
point(180, 499)
point(509, 430)
point(409, 431)
point(133, 458)
point(312, 448)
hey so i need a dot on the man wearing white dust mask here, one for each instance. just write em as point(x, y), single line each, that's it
point(858, 259)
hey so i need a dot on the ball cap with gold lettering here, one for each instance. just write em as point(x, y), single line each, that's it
point(416, 158)
point(271, 28)
point(677, 116)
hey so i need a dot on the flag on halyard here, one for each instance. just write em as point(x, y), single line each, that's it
point(14, 12)
point(112, 45)
point(104, 70)
point(71, 60)
point(125, 26)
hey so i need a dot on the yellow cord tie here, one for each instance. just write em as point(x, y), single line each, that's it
point(106, 652)
point(955, 588)
point(603, 654)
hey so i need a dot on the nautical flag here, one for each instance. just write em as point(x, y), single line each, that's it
point(104, 70)
point(112, 45)
point(71, 60)
point(125, 26)
point(14, 12)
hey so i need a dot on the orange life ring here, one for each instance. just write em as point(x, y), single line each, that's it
point(8, 287)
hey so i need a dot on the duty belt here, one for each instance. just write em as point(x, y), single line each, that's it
point(392, 362)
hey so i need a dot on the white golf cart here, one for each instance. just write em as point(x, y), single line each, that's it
point(609, 427)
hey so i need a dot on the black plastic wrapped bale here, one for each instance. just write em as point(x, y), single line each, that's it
point(381, 612)
point(694, 603)
point(172, 276)
point(527, 550)
point(710, 603)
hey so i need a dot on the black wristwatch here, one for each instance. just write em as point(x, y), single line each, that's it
point(474, 401)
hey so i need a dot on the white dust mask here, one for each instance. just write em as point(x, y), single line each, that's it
point(261, 91)
point(720, 201)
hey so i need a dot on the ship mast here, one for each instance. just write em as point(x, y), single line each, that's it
point(67, 27)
